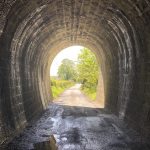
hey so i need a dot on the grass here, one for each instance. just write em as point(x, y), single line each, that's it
point(59, 86)
point(56, 91)
point(90, 93)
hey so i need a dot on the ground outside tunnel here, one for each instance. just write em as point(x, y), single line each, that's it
point(79, 128)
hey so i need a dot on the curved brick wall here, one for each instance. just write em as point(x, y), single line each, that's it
point(33, 32)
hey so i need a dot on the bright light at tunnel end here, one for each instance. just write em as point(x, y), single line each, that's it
point(67, 53)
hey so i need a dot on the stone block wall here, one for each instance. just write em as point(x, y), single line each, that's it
point(33, 32)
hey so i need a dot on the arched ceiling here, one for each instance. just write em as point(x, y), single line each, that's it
point(33, 32)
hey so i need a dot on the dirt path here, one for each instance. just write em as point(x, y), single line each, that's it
point(74, 97)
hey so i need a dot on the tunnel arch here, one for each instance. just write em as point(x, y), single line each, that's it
point(34, 31)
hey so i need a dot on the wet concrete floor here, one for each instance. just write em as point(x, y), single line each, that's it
point(82, 125)
point(79, 128)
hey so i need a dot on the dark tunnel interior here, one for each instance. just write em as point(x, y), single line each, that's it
point(32, 32)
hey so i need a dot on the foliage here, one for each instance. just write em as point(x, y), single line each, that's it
point(66, 70)
point(58, 86)
point(87, 69)
point(91, 94)
point(85, 72)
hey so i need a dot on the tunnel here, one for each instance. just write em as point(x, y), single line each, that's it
point(33, 32)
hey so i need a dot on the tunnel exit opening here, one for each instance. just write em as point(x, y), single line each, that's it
point(76, 78)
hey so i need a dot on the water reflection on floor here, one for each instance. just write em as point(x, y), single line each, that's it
point(79, 128)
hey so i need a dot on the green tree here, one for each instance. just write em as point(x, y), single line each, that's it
point(87, 68)
point(66, 70)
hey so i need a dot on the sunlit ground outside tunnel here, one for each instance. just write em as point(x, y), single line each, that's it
point(76, 78)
